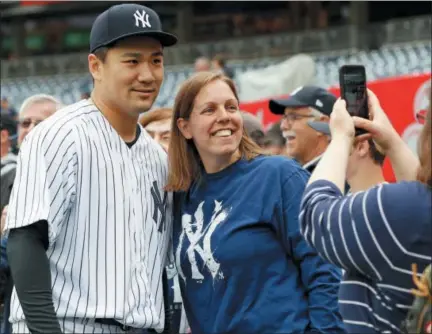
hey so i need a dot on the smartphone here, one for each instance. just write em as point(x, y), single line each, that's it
point(352, 81)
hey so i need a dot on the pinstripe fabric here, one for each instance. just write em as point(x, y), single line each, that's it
point(80, 326)
point(109, 218)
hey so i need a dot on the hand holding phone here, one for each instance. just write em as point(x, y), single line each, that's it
point(352, 81)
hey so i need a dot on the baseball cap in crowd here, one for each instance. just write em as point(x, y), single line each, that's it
point(305, 96)
point(127, 20)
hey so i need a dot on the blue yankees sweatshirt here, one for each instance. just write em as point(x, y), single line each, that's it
point(243, 265)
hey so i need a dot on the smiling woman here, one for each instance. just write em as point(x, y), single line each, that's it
point(207, 129)
point(238, 248)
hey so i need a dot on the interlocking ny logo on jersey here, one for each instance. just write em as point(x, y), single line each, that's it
point(143, 18)
point(159, 207)
point(193, 229)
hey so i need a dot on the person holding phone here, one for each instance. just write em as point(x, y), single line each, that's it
point(376, 235)
point(242, 263)
point(365, 162)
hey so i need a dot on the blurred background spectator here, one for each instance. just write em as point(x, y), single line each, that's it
point(8, 131)
point(273, 141)
point(7, 109)
point(158, 125)
point(219, 64)
point(202, 64)
point(253, 127)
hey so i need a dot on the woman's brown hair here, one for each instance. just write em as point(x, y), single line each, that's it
point(184, 160)
point(424, 173)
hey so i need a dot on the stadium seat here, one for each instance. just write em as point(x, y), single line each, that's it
point(385, 62)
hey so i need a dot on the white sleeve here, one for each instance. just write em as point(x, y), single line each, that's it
point(44, 186)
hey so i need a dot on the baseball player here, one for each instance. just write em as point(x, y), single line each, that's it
point(87, 221)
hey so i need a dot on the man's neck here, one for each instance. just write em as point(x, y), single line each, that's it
point(123, 123)
point(315, 152)
point(367, 177)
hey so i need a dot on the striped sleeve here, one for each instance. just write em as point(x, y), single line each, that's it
point(337, 226)
point(353, 231)
point(45, 180)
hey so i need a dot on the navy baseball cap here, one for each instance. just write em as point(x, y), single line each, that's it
point(127, 20)
point(305, 96)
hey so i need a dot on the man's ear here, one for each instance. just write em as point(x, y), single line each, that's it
point(95, 67)
point(362, 148)
point(183, 126)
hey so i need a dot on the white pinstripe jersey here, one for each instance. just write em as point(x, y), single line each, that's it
point(109, 218)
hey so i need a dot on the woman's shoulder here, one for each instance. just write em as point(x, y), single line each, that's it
point(278, 166)
point(277, 162)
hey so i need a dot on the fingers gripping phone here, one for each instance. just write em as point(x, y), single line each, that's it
point(352, 81)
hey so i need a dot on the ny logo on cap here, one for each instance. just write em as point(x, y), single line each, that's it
point(143, 18)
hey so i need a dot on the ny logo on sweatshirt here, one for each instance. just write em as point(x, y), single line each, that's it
point(200, 241)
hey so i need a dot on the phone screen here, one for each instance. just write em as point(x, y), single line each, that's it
point(355, 93)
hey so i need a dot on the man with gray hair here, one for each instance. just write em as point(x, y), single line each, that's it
point(305, 104)
point(34, 110)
